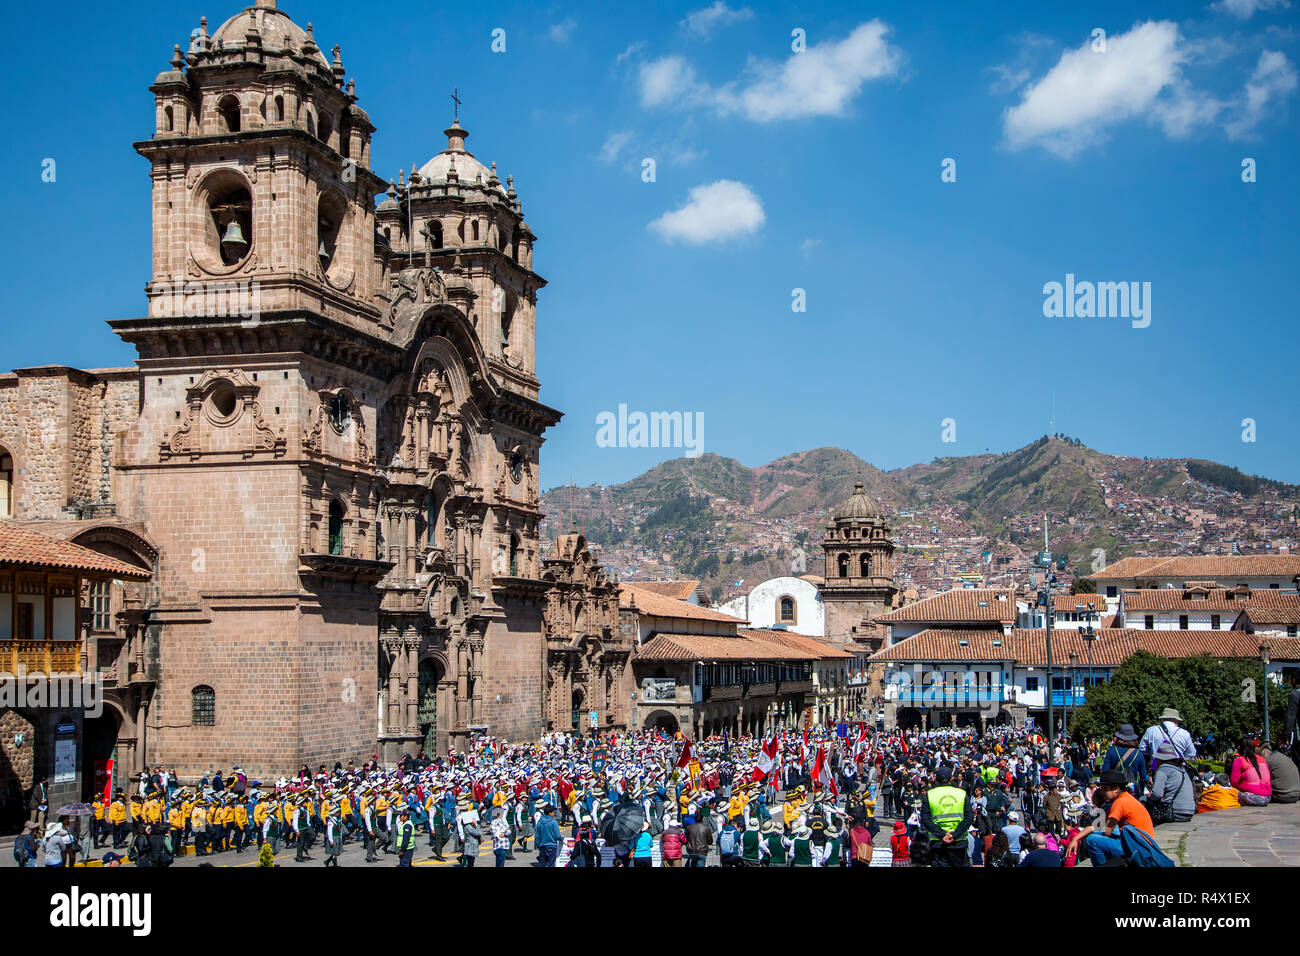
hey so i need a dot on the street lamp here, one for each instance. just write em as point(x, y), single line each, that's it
point(1088, 634)
point(1074, 666)
point(1264, 650)
point(1049, 618)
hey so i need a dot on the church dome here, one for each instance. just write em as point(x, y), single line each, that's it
point(273, 26)
point(858, 506)
point(468, 169)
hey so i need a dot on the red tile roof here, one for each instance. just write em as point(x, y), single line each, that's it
point(1204, 567)
point(1065, 603)
point(677, 590)
point(800, 642)
point(656, 605)
point(1219, 599)
point(23, 548)
point(949, 644)
point(703, 647)
point(1112, 647)
point(963, 606)
point(1277, 614)
point(1027, 647)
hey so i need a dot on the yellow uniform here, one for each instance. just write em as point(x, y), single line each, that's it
point(117, 812)
point(241, 816)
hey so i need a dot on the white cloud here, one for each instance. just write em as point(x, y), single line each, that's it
point(563, 31)
point(1245, 9)
point(1140, 76)
point(821, 81)
point(713, 212)
point(670, 79)
point(1087, 91)
point(809, 246)
point(704, 21)
point(631, 50)
point(1274, 79)
point(614, 144)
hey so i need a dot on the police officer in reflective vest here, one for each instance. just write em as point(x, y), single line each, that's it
point(946, 815)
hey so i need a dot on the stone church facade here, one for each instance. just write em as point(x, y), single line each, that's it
point(859, 585)
point(328, 451)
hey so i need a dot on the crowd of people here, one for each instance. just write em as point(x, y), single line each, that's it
point(816, 798)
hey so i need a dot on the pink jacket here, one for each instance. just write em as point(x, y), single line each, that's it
point(1256, 780)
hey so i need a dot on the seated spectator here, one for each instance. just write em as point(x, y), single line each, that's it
point(1250, 775)
point(1173, 796)
point(1040, 855)
point(1125, 756)
point(1122, 809)
point(1286, 777)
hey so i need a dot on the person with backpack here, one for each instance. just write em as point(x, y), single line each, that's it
point(1173, 797)
point(729, 844)
point(860, 848)
point(1126, 756)
point(586, 849)
point(26, 848)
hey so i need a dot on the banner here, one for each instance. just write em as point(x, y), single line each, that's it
point(104, 779)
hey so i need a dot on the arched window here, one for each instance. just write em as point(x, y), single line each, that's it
point(204, 706)
point(514, 555)
point(336, 528)
point(279, 109)
point(786, 610)
point(474, 226)
point(435, 234)
point(844, 565)
point(326, 128)
point(6, 484)
point(228, 109)
point(865, 564)
point(169, 119)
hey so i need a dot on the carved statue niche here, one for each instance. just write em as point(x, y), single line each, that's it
point(414, 287)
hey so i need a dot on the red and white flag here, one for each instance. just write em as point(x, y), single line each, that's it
point(766, 759)
point(822, 772)
point(685, 759)
point(803, 748)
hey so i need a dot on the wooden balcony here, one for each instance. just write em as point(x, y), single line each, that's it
point(40, 657)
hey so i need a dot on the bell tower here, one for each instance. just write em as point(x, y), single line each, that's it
point(261, 174)
point(859, 573)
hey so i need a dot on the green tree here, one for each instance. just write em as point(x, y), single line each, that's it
point(1207, 692)
point(1083, 586)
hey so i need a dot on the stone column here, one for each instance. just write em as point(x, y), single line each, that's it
point(411, 544)
point(475, 545)
point(141, 718)
point(394, 705)
point(412, 686)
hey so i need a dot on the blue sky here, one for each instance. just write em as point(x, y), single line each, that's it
point(924, 298)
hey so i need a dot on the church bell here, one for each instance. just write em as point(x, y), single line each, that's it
point(233, 242)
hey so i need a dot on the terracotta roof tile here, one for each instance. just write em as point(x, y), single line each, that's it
point(801, 642)
point(1204, 567)
point(703, 647)
point(656, 605)
point(677, 590)
point(949, 644)
point(962, 606)
point(1274, 614)
point(24, 548)
point(1176, 599)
